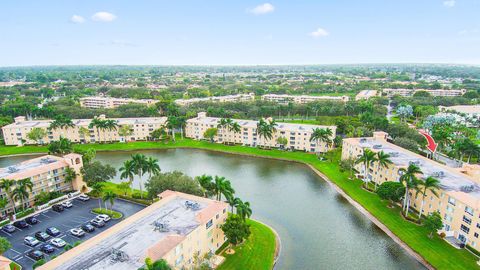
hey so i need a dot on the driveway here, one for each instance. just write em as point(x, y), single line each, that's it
point(73, 217)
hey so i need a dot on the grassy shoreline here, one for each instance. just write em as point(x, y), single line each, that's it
point(436, 251)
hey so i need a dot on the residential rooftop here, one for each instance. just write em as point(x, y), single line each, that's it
point(467, 109)
point(152, 232)
point(33, 166)
point(451, 180)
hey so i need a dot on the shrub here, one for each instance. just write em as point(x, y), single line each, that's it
point(25, 213)
point(442, 235)
point(39, 263)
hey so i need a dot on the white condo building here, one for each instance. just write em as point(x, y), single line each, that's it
point(301, 99)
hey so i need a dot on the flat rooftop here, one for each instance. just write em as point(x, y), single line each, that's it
point(450, 179)
point(253, 124)
point(152, 232)
point(468, 109)
point(23, 168)
point(86, 122)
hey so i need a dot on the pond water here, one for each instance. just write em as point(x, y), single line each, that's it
point(318, 228)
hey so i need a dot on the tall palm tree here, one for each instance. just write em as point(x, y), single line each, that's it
point(322, 135)
point(97, 189)
point(244, 210)
point(21, 191)
point(235, 128)
point(383, 161)
point(139, 163)
point(265, 129)
point(431, 184)
point(7, 185)
point(127, 171)
point(61, 121)
point(99, 124)
point(223, 125)
point(410, 181)
point(366, 158)
point(172, 123)
point(109, 196)
point(222, 187)
point(206, 183)
point(233, 201)
point(70, 175)
point(152, 167)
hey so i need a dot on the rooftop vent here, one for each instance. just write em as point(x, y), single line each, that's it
point(394, 154)
point(192, 205)
point(363, 140)
point(160, 226)
point(13, 169)
point(117, 255)
point(46, 160)
point(301, 128)
point(467, 189)
point(377, 146)
point(438, 174)
point(415, 162)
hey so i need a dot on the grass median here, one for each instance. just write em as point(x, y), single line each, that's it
point(436, 251)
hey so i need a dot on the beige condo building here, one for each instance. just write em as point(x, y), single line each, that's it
point(47, 173)
point(434, 92)
point(301, 99)
point(366, 94)
point(458, 200)
point(140, 129)
point(219, 99)
point(297, 135)
point(177, 228)
point(99, 102)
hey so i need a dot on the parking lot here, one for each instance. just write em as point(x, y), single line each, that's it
point(74, 217)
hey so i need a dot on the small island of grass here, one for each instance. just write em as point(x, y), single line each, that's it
point(112, 214)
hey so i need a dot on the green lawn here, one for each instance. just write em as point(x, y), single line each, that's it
point(256, 253)
point(436, 251)
point(112, 214)
point(15, 266)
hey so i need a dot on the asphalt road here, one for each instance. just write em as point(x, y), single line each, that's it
point(73, 217)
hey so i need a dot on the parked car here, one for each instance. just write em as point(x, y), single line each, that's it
point(21, 224)
point(53, 231)
point(30, 241)
point(8, 228)
point(83, 198)
point(103, 217)
point(88, 228)
point(67, 204)
point(97, 223)
point(42, 236)
point(57, 208)
point(47, 248)
point(36, 255)
point(77, 232)
point(31, 220)
point(58, 242)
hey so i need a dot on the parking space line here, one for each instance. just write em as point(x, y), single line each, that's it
point(6, 233)
point(43, 214)
point(30, 259)
point(15, 251)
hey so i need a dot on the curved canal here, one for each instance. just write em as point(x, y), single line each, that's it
point(318, 228)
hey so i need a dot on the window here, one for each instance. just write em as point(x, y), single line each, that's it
point(476, 235)
point(451, 201)
point(209, 223)
point(469, 210)
point(467, 220)
point(464, 228)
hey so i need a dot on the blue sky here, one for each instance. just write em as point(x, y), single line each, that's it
point(156, 32)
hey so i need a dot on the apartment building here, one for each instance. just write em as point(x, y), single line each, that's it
point(176, 228)
point(47, 173)
point(297, 135)
point(140, 129)
point(98, 102)
point(366, 94)
point(229, 98)
point(434, 92)
point(302, 99)
point(471, 111)
point(458, 199)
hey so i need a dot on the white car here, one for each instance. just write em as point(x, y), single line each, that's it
point(103, 217)
point(58, 242)
point(67, 204)
point(83, 198)
point(30, 241)
point(77, 232)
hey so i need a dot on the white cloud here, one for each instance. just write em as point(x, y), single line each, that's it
point(103, 16)
point(449, 3)
point(320, 32)
point(262, 9)
point(77, 19)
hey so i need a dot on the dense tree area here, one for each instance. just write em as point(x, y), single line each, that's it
point(176, 181)
point(97, 172)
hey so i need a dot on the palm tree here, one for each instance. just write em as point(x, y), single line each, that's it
point(109, 196)
point(172, 123)
point(244, 210)
point(84, 132)
point(97, 189)
point(431, 184)
point(235, 128)
point(99, 124)
point(139, 164)
point(127, 171)
point(6, 185)
point(410, 181)
point(233, 201)
point(70, 175)
point(366, 158)
point(265, 129)
point(322, 135)
point(223, 125)
point(206, 183)
point(383, 161)
point(222, 186)
point(110, 125)
point(61, 121)
point(125, 131)
point(21, 191)
point(152, 167)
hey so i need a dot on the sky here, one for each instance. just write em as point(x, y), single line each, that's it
point(231, 32)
